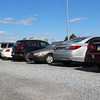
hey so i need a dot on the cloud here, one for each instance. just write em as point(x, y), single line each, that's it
point(6, 22)
point(12, 33)
point(77, 19)
point(27, 21)
point(8, 18)
point(34, 33)
point(47, 34)
point(3, 32)
point(15, 38)
point(36, 15)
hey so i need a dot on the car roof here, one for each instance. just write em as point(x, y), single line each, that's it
point(30, 40)
point(88, 38)
point(6, 42)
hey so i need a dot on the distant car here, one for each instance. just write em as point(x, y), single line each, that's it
point(93, 53)
point(44, 55)
point(73, 50)
point(4, 45)
point(6, 53)
point(22, 48)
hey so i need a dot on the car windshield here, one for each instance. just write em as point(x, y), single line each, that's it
point(75, 40)
point(52, 45)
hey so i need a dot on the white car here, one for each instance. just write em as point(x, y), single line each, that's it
point(6, 53)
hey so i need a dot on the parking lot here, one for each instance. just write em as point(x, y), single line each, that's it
point(29, 81)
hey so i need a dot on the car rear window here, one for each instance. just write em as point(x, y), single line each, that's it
point(18, 43)
point(75, 40)
point(52, 45)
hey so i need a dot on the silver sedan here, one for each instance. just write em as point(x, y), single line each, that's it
point(73, 50)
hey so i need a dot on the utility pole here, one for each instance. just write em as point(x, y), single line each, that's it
point(67, 20)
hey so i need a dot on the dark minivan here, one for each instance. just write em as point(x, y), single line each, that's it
point(22, 48)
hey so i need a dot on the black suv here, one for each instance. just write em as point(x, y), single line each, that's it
point(22, 48)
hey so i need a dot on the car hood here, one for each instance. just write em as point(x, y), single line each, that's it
point(43, 50)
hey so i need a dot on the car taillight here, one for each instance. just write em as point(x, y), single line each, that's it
point(90, 47)
point(19, 48)
point(73, 47)
point(8, 50)
point(55, 48)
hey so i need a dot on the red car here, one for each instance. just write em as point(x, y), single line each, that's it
point(93, 53)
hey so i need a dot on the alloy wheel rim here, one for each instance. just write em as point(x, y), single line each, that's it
point(49, 59)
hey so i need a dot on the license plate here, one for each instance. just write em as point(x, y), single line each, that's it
point(61, 49)
point(98, 48)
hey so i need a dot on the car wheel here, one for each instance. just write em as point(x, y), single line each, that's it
point(49, 59)
point(26, 56)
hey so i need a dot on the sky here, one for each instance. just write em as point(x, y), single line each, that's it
point(48, 19)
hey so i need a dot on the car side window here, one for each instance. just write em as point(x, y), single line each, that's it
point(92, 39)
point(43, 44)
point(34, 43)
point(4, 45)
point(28, 43)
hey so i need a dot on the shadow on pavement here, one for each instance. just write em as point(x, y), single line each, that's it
point(32, 62)
point(73, 64)
point(89, 69)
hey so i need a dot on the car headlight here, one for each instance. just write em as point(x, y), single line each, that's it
point(38, 54)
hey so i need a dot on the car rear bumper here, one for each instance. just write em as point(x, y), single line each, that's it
point(68, 56)
point(18, 56)
point(6, 55)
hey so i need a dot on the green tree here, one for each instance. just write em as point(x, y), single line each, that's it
point(72, 36)
point(66, 38)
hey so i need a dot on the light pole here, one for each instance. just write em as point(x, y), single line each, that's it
point(67, 20)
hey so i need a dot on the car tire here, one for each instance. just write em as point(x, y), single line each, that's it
point(49, 59)
point(26, 56)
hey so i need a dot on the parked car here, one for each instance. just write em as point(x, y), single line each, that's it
point(73, 50)
point(6, 53)
point(22, 48)
point(44, 55)
point(93, 53)
point(4, 45)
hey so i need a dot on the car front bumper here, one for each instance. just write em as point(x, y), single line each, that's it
point(36, 58)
